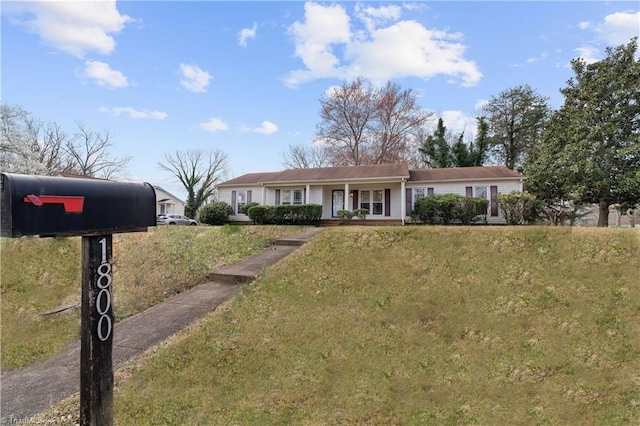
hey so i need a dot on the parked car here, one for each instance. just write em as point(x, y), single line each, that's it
point(174, 219)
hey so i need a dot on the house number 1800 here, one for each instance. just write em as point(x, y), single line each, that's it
point(103, 299)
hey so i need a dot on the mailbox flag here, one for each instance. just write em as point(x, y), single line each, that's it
point(71, 204)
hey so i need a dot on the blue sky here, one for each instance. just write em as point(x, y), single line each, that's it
point(247, 77)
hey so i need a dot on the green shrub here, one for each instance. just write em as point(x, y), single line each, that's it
point(261, 215)
point(516, 206)
point(245, 208)
point(426, 210)
point(361, 214)
point(472, 208)
point(296, 214)
point(216, 213)
point(449, 208)
point(345, 216)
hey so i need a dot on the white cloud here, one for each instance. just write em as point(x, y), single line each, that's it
point(584, 25)
point(379, 53)
point(541, 57)
point(103, 75)
point(323, 27)
point(134, 113)
point(73, 27)
point(194, 78)
point(247, 34)
point(374, 17)
point(214, 125)
point(267, 128)
point(458, 122)
point(619, 28)
point(588, 54)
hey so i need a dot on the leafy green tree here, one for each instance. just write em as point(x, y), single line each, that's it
point(435, 150)
point(473, 154)
point(438, 150)
point(516, 119)
point(591, 151)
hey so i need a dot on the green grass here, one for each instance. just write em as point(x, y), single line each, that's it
point(411, 325)
point(41, 274)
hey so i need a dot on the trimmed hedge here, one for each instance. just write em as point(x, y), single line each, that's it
point(449, 208)
point(245, 208)
point(216, 213)
point(516, 206)
point(295, 214)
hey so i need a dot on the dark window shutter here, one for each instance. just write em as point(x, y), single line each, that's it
point(429, 191)
point(354, 195)
point(469, 191)
point(248, 196)
point(494, 200)
point(408, 201)
point(277, 197)
point(304, 196)
point(233, 201)
point(387, 202)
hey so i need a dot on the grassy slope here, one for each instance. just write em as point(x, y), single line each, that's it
point(414, 326)
point(148, 267)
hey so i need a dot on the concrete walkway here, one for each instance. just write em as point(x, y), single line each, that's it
point(31, 390)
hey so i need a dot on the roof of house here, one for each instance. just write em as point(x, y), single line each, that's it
point(379, 171)
point(464, 173)
point(158, 188)
point(373, 172)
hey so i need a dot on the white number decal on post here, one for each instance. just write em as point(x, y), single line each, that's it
point(103, 299)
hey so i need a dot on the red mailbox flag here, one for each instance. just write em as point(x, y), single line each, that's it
point(71, 204)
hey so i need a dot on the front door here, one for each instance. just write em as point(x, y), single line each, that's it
point(337, 202)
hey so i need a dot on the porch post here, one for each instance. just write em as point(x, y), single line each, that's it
point(264, 195)
point(307, 194)
point(403, 201)
point(347, 197)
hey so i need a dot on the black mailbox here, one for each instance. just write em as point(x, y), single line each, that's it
point(52, 206)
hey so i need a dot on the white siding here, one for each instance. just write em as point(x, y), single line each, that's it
point(323, 194)
point(327, 194)
point(173, 204)
point(224, 194)
point(504, 187)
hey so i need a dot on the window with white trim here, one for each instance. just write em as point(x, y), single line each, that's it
point(372, 201)
point(241, 199)
point(480, 192)
point(417, 194)
point(291, 196)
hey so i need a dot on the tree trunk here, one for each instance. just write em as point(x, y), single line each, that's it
point(603, 217)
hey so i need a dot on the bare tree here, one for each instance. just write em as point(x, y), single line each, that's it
point(50, 148)
point(361, 124)
point(398, 123)
point(29, 146)
point(346, 113)
point(19, 141)
point(304, 157)
point(88, 154)
point(199, 172)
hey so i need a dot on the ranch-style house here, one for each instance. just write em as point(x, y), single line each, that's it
point(387, 191)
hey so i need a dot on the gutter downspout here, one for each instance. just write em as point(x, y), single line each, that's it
point(403, 201)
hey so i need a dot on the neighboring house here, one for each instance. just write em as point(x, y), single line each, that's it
point(167, 203)
point(387, 191)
